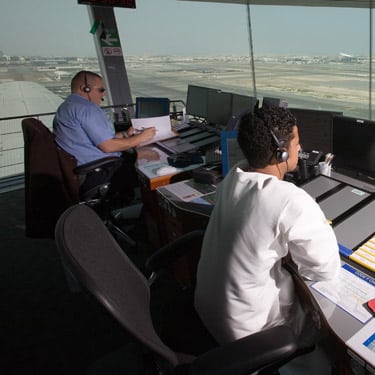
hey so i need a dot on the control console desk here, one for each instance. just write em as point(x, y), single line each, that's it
point(151, 158)
point(350, 206)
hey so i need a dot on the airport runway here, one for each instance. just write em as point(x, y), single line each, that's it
point(308, 82)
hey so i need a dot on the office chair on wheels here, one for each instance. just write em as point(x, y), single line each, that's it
point(99, 264)
point(101, 199)
point(53, 180)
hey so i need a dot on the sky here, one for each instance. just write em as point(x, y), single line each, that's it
point(155, 27)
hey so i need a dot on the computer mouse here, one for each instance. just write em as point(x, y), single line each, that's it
point(166, 169)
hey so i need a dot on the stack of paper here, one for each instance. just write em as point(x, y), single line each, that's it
point(162, 125)
point(365, 254)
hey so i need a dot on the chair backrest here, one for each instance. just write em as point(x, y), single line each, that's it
point(96, 260)
point(50, 182)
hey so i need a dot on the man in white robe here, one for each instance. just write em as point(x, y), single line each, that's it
point(257, 220)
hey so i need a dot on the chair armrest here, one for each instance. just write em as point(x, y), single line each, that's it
point(307, 299)
point(167, 254)
point(90, 167)
point(270, 348)
point(164, 258)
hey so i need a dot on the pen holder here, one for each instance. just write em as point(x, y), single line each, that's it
point(325, 169)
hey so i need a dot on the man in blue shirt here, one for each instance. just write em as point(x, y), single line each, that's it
point(82, 129)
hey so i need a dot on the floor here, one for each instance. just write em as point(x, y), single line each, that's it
point(45, 328)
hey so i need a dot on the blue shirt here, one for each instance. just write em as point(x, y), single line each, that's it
point(80, 126)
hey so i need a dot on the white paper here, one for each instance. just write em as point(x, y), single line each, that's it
point(363, 342)
point(183, 191)
point(189, 191)
point(350, 292)
point(162, 125)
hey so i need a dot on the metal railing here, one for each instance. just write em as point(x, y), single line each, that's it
point(11, 149)
point(12, 144)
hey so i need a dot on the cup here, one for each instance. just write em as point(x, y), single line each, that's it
point(325, 169)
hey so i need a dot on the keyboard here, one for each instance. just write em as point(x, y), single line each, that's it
point(213, 156)
point(181, 126)
point(190, 123)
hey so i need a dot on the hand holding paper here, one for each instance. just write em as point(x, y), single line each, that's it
point(161, 124)
point(147, 134)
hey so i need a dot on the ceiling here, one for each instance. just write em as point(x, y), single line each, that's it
point(310, 3)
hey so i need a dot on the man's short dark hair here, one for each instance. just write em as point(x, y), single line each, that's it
point(82, 78)
point(255, 138)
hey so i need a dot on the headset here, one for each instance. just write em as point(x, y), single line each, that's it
point(86, 88)
point(281, 153)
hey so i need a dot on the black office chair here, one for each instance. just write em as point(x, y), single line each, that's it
point(99, 264)
point(53, 181)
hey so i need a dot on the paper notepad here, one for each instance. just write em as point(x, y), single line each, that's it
point(363, 342)
point(162, 125)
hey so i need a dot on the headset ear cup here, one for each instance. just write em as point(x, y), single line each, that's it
point(86, 89)
point(282, 155)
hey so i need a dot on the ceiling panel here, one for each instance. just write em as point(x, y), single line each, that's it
point(310, 3)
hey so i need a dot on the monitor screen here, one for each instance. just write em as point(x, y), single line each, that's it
point(196, 101)
point(271, 102)
point(151, 107)
point(109, 3)
point(354, 147)
point(242, 102)
point(274, 102)
point(219, 107)
point(231, 152)
point(315, 128)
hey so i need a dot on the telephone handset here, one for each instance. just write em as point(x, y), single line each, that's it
point(125, 123)
point(307, 160)
point(311, 158)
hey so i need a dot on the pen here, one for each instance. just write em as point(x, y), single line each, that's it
point(328, 159)
point(139, 131)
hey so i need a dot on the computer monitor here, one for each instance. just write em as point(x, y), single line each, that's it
point(231, 152)
point(315, 128)
point(151, 107)
point(274, 102)
point(109, 3)
point(196, 101)
point(242, 102)
point(219, 107)
point(353, 142)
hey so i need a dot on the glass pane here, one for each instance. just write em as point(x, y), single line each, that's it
point(313, 57)
point(43, 45)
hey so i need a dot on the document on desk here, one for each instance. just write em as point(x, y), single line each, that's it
point(363, 342)
point(190, 191)
point(162, 125)
point(350, 292)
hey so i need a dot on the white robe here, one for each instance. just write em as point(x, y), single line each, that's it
point(241, 285)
